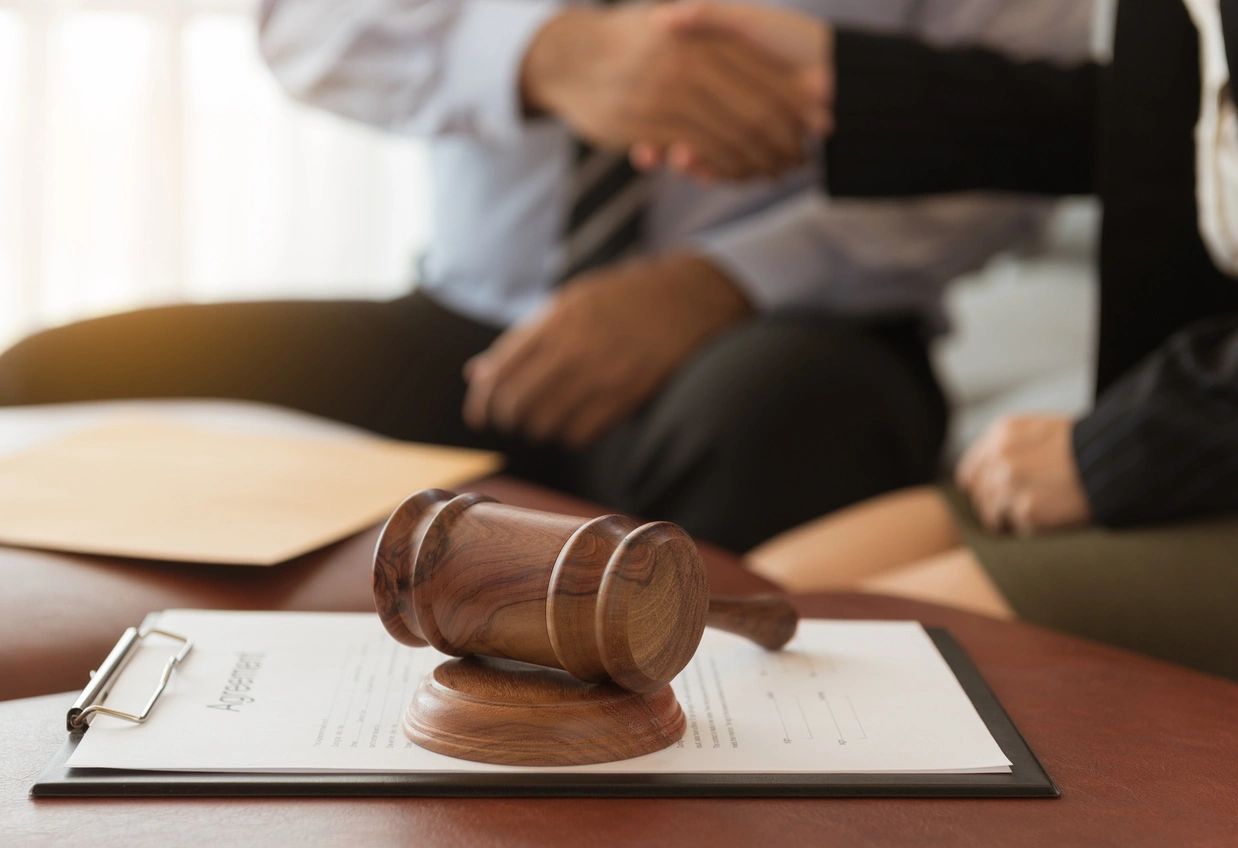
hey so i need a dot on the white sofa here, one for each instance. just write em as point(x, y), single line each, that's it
point(1024, 330)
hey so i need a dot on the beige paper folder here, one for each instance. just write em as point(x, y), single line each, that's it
point(162, 490)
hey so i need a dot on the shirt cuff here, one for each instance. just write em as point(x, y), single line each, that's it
point(483, 63)
point(1105, 477)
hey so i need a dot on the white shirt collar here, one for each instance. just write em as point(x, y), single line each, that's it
point(1216, 141)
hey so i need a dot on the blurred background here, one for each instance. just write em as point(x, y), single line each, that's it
point(146, 156)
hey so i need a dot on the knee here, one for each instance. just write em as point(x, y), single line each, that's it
point(749, 410)
point(776, 387)
point(791, 573)
point(775, 423)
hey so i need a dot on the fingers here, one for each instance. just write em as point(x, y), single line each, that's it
point(544, 398)
point(595, 418)
point(1023, 516)
point(769, 132)
point(551, 416)
point(756, 108)
point(817, 83)
point(691, 16)
point(720, 142)
point(522, 389)
point(682, 158)
point(993, 495)
point(746, 88)
point(646, 157)
point(489, 371)
point(740, 107)
point(541, 396)
point(528, 383)
point(1021, 476)
point(793, 37)
point(734, 127)
point(793, 94)
point(983, 477)
point(968, 470)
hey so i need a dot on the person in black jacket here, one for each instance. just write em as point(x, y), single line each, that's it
point(1142, 492)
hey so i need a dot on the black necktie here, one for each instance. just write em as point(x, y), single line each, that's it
point(606, 218)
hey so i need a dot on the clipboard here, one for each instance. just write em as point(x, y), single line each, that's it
point(1027, 777)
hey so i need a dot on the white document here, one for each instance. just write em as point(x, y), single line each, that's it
point(325, 692)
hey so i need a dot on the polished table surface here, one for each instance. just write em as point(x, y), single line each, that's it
point(60, 613)
point(1146, 753)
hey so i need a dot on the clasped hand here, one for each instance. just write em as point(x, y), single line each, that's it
point(599, 350)
point(1021, 476)
point(718, 91)
point(715, 93)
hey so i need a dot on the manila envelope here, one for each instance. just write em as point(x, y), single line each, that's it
point(162, 490)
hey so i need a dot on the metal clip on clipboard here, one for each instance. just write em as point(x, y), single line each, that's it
point(90, 702)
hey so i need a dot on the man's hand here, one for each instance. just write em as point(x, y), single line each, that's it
point(636, 73)
point(804, 44)
point(601, 349)
point(1021, 475)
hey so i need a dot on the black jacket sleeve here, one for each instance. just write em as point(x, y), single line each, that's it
point(913, 119)
point(1162, 442)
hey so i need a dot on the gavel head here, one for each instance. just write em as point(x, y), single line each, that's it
point(603, 599)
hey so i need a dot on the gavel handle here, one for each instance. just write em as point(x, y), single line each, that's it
point(768, 620)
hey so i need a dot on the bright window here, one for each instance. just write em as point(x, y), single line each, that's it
point(146, 156)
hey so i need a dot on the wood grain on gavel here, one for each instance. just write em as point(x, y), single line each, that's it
point(604, 598)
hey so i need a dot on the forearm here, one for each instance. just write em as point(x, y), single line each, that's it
point(1162, 443)
point(419, 67)
point(913, 119)
point(815, 252)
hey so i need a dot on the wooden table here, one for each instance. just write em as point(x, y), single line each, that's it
point(1146, 754)
point(61, 613)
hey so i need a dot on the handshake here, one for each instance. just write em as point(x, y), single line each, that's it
point(714, 91)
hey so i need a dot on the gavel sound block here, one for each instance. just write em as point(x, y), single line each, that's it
point(569, 630)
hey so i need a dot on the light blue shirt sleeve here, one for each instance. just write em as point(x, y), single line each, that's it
point(499, 183)
point(810, 251)
point(417, 67)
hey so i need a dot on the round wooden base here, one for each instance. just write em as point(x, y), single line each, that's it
point(510, 713)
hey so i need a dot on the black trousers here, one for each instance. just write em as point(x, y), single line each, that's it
point(782, 419)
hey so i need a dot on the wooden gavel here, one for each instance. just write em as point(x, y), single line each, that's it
point(603, 599)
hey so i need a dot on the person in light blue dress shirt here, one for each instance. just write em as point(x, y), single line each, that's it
point(736, 358)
